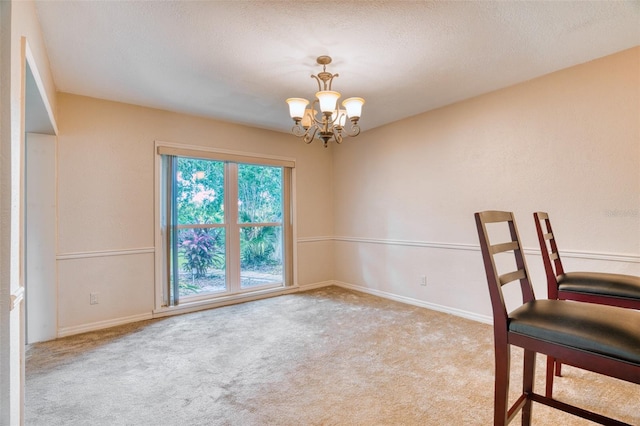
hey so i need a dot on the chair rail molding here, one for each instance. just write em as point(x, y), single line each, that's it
point(105, 253)
point(614, 257)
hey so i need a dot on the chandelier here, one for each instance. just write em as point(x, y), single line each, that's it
point(332, 121)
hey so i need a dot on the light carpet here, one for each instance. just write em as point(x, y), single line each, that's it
point(322, 357)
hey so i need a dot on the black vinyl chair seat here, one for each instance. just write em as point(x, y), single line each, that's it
point(599, 329)
point(614, 285)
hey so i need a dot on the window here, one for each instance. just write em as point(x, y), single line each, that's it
point(225, 224)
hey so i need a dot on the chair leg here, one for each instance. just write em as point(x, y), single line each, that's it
point(527, 385)
point(558, 369)
point(551, 363)
point(501, 391)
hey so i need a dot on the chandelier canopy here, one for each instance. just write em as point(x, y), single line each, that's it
point(332, 121)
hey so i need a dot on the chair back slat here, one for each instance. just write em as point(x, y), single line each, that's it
point(543, 215)
point(512, 276)
point(553, 256)
point(501, 248)
point(548, 236)
point(493, 216)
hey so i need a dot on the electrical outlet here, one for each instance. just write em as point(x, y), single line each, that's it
point(93, 298)
point(423, 280)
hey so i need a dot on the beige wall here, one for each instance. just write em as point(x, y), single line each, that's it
point(106, 202)
point(384, 208)
point(567, 143)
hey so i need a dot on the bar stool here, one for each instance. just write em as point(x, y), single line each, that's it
point(598, 338)
point(593, 287)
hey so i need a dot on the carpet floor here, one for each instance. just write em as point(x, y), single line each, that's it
point(327, 356)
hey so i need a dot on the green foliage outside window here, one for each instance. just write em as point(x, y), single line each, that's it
point(200, 194)
point(200, 200)
point(201, 250)
point(260, 201)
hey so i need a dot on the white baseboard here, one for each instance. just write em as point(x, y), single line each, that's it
point(416, 302)
point(68, 331)
point(320, 284)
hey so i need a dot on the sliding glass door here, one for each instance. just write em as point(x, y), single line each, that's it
point(224, 226)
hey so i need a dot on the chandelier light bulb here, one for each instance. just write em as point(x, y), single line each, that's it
point(353, 106)
point(328, 100)
point(297, 107)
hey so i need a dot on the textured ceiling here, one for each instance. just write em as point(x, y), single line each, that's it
point(239, 60)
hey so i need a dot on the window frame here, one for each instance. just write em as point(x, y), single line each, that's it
point(161, 301)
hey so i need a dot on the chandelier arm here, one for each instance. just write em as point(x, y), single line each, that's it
point(337, 136)
point(337, 119)
point(318, 80)
point(331, 81)
point(309, 135)
point(354, 130)
point(298, 130)
point(317, 122)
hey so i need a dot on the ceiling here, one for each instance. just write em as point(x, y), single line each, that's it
point(239, 60)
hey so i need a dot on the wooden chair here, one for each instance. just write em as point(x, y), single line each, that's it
point(593, 287)
point(598, 338)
